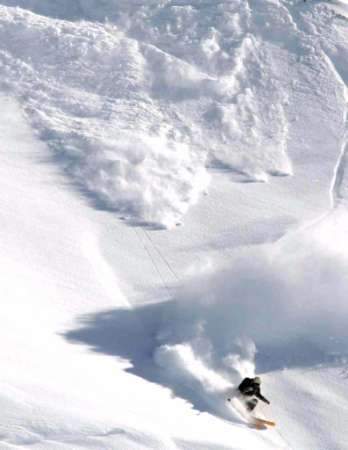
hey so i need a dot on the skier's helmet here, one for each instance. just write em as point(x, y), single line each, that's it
point(257, 380)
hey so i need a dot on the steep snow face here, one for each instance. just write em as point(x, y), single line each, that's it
point(138, 109)
point(143, 113)
point(135, 112)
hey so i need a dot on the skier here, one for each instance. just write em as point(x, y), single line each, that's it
point(249, 390)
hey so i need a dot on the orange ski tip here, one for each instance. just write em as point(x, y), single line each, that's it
point(259, 421)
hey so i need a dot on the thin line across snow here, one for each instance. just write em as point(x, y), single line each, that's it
point(339, 176)
point(339, 172)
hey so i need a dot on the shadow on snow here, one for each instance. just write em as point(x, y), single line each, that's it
point(135, 335)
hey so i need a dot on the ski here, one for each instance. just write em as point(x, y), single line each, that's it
point(260, 422)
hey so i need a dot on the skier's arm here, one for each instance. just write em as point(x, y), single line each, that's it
point(261, 397)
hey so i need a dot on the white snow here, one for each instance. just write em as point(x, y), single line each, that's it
point(120, 121)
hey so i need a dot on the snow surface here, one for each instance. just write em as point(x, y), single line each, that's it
point(173, 208)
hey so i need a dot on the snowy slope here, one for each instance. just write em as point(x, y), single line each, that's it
point(173, 209)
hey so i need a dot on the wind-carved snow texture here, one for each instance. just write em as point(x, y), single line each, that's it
point(135, 111)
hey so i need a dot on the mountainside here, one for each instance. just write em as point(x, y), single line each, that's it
point(173, 208)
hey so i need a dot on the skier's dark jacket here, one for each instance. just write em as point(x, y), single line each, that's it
point(248, 387)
